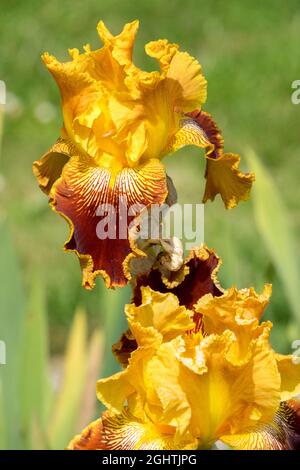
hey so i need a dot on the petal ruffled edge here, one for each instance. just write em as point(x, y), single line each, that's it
point(122, 44)
point(185, 78)
point(234, 309)
point(160, 313)
point(224, 177)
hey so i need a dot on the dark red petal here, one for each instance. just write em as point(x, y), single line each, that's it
point(201, 279)
point(77, 196)
point(210, 128)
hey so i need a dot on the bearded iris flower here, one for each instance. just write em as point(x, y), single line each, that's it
point(198, 367)
point(118, 123)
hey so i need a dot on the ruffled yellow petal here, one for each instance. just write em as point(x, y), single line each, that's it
point(223, 177)
point(236, 396)
point(185, 79)
point(167, 400)
point(162, 51)
point(196, 383)
point(89, 85)
point(237, 311)
point(114, 391)
point(289, 369)
point(124, 432)
point(129, 385)
point(151, 387)
point(158, 313)
point(122, 44)
point(80, 92)
point(111, 105)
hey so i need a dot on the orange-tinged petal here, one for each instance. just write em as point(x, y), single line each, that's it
point(77, 196)
point(91, 438)
point(87, 84)
point(124, 432)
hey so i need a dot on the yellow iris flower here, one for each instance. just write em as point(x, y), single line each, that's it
point(118, 122)
point(198, 368)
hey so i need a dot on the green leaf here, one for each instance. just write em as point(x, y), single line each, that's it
point(3, 444)
point(1, 125)
point(35, 385)
point(272, 221)
point(12, 314)
point(69, 400)
point(113, 303)
point(94, 360)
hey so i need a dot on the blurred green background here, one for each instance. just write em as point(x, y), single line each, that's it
point(58, 336)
